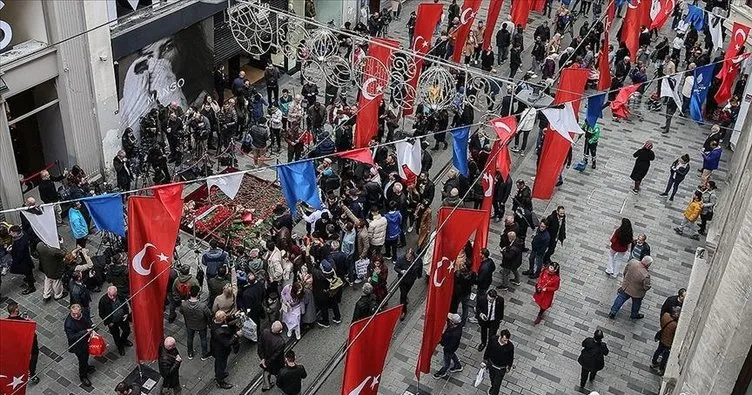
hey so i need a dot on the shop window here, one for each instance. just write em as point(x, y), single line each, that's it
point(21, 21)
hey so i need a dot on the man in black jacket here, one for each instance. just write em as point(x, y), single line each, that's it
point(502, 190)
point(673, 301)
point(557, 228)
point(48, 192)
point(291, 375)
point(407, 275)
point(450, 340)
point(78, 328)
point(21, 262)
point(499, 358)
point(511, 261)
point(489, 311)
point(503, 39)
point(14, 314)
point(169, 365)
point(122, 172)
point(113, 310)
point(485, 272)
point(223, 339)
point(366, 305)
point(271, 351)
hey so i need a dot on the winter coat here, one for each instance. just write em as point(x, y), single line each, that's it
point(636, 282)
point(424, 230)
point(222, 340)
point(51, 261)
point(169, 367)
point(451, 337)
point(551, 283)
point(485, 273)
point(503, 38)
point(557, 231)
point(78, 225)
point(393, 225)
point(271, 348)
point(710, 160)
point(76, 329)
point(540, 241)
point(118, 276)
point(678, 172)
point(643, 157)
point(274, 262)
point(183, 278)
point(668, 329)
point(591, 356)
point(196, 314)
point(512, 255)
point(21, 262)
point(260, 136)
point(378, 281)
point(213, 259)
point(113, 311)
point(693, 210)
point(377, 230)
point(364, 307)
point(709, 200)
point(405, 272)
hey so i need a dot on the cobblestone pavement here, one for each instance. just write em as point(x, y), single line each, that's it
point(546, 355)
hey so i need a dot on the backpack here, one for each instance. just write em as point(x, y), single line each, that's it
point(184, 289)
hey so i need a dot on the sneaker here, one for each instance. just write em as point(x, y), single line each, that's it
point(515, 149)
point(34, 380)
point(456, 369)
point(481, 346)
point(522, 154)
point(322, 324)
point(297, 335)
point(679, 231)
point(190, 354)
point(358, 281)
point(611, 316)
point(206, 356)
point(635, 191)
point(515, 282)
point(503, 288)
point(638, 317)
point(440, 373)
point(409, 229)
point(663, 194)
point(336, 321)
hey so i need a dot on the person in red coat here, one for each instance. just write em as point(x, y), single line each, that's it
point(547, 284)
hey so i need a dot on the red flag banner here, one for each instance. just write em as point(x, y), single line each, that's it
point(520, 12)
point(739, 34)
point(15, 354)
point(553, 154)
point(571, 86)
point(494, 8)
point(369, 344)
point(504, 162)
point(664, 12)
point(488, 183)
point(727, 75)
point(426, 19)
point(505, 128)
point(604, 68)
point(539, 5)
point(619, 105)
point(375, 81)
point(467, 16)
point(362, 155)
point(152, 230)
point(450, 239)
point(637, 12)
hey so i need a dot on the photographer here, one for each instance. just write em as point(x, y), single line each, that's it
point(173, 130)
point(200, 126)
point(228, 123)
point(122, 172)
point(158, 160)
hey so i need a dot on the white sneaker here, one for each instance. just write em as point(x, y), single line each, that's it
point(297, 334)
point(409, 229)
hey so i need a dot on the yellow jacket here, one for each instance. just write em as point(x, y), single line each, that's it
point(693, 211)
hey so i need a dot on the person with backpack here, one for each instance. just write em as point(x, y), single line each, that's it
point(79, 294)
point(591, 357)
point(197, 317)
point(181, 289)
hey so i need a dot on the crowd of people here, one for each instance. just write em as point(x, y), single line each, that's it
point(279, 283)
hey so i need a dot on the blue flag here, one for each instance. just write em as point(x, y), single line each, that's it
point(594, 109)
point(620, 3)
point(696, 17)
point(107, 212)
point(703, 78)
point(459, 148)
point(298, 182)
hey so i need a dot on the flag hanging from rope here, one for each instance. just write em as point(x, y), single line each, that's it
point(426, 19)
point(595, 109)
point(703, 77)
point(375, 81)
point(459, 149)
point(661, 11)
point(494, 8)
point(298, 182)
point(467, 16)
point(619, 107)
point(571, 87)
point(15, 352)
point(107, 212)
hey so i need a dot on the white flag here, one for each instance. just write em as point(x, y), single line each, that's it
point(670, 88)
point(227, 183)
point(715, 25)
point(42, 220)
point(563, 121)
point(408, 159)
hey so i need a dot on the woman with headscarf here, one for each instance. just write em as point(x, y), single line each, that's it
point(643, 157)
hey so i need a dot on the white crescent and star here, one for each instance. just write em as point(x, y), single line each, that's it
point(439, 264)
point(357, 390)
point(633, 4)
point(739, 43)
point(423, 45)
point(503, 125)
point(17, 380)
point(368, 83)
point(138, 265)
point(488, 179)
point(464, 18)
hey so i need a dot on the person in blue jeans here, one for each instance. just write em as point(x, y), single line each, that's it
point(393, 230)
point(635, 285)
point(538, 248)
point(450, 340)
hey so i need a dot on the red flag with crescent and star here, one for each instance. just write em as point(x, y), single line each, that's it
point(467, 16)
point(494, 8)
point(375, 81)
point(732, 62)
point(426, 19)
point(505, 128)
point(488, 182)
point(455, 230)
point(520, 12)
point(604, 68)
point(637, 11)
point(369, 343)
point(15, 354)
point(666, 8)
point(153, 223)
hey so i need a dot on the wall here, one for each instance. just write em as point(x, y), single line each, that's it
point(26, 18)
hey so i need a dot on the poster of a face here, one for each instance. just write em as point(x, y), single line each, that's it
point(174, 69)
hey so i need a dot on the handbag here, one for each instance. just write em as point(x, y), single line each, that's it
point(97, 345)
point(479, 376)
point(249, 330)
point(657, 336)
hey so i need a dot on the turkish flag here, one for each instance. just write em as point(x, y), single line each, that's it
point(666, 8)
point(739, 34)
point(369, 343)
point(15, 354)
point(520, 12)
point(553, 154)
point(426, 19)
point(362, 155)
point(505, 128)
point(539, 5)
point(467, 16)
point(604, 68)
point(571, 86)
point(493, 15)
point(488, 179)
point(375, 81)
point(619, 105)
point(637, 10)
point(727, 75)
point(457, 228)
point(153, 223)
point(504, 162)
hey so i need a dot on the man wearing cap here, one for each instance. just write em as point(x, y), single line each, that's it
point(450, 340)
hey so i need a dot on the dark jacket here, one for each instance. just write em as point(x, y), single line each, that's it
point(504, 239)
point(541, 241)
point(222, 340)
point(557, 233)
point(485, 273)
point(591, 356)
point(112, 311)
point(169, 367)
point(21, 263)
point(365, 306)
point(669, 304)
point(196, 314)
point(117, 275)
point(212, 259)
point(76, 329)
point(503, 38)
point(512, 255)
point(463, 284)
point(643, 157)
point(251, 299)
point(482, 307)
point(79, 294)
point(680, 172)
point(451, 337)
point(271, 348)
point(289, 379)
point(498, 355)
point(47, 191)
point(51, 261)
point(408, 275)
